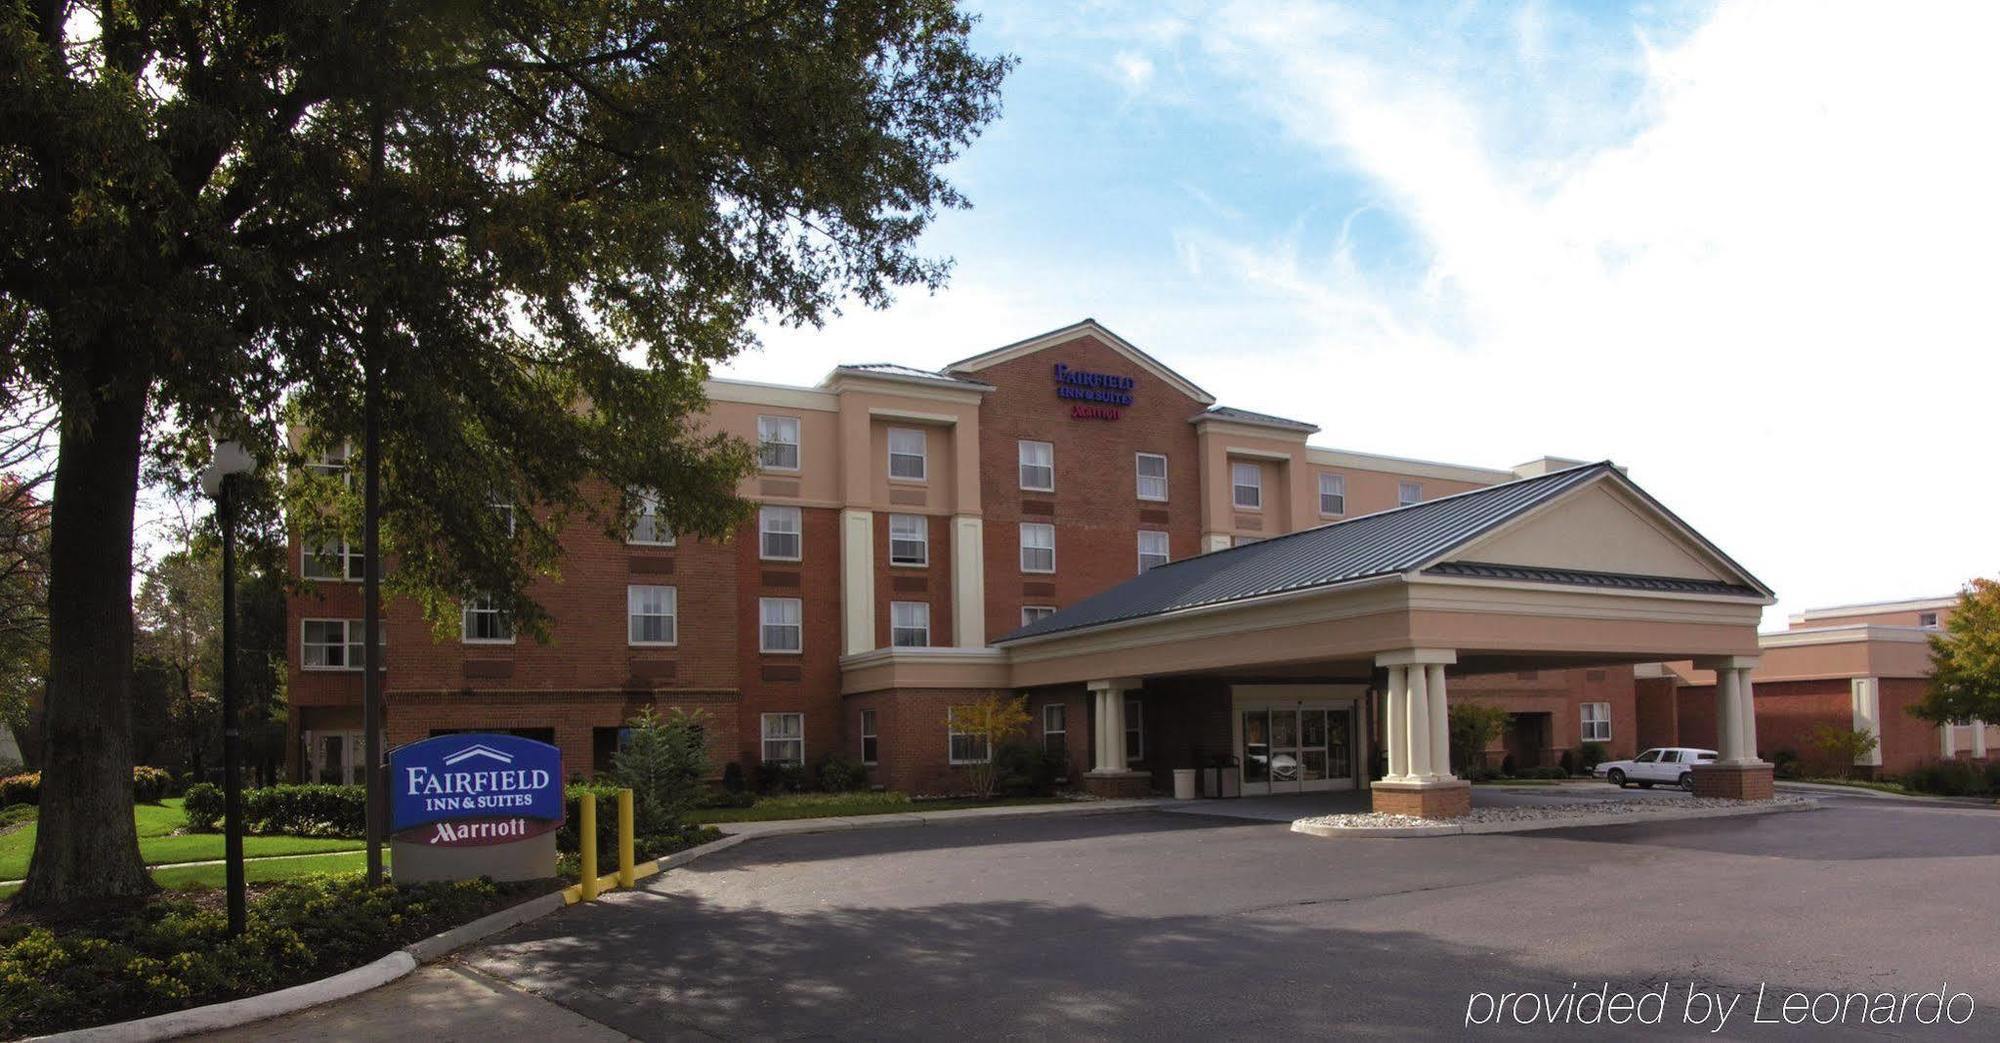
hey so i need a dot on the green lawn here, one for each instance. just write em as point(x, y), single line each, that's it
point(256, 872)
point(157, 846)
point(840, 805)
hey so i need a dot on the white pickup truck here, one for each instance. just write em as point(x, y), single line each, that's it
point(1672, 765)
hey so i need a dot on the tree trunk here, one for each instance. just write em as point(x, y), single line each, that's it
point(86, 846)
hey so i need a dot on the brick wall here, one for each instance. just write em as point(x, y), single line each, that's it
point(1559, 694)
point(913, 738)
point(1095, 507)
point(808, 682)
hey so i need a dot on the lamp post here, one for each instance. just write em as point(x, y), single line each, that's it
point(229, 460)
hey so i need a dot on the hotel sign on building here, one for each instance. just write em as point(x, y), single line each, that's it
point(1093, 396)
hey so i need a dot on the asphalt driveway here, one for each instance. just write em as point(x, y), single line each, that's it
point(1178, 926)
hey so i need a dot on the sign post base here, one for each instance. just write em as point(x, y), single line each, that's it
point(530, 859)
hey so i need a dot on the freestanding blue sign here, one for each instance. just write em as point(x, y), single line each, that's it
point(474, 790)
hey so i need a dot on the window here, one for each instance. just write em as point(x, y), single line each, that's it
point(485, 621)
point(1333, 494)
point(337, 559)
point(1927, 620)
point(650, 614)
point(647, 528)
point(1408, 493)
point(779, 532)
point(909, 539)
point(784, 738)
point(1152, 476)
point(781, 624)
point(333, 464)
point(506, 512)
point(871, 746)
point(331, 644)
point(965, 747)
point(1152, 549)
point(1055, 729)
point(1596, 722)
point(1648, 757)
point(1246, 486)
point(909, 624)
point(906, 454)
point(1038, 547)
point(778, 443)
point(1670, 757)
point(1038, 466)
point(1135, 731)
point(1036, 613)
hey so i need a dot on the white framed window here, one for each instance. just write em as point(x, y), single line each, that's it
point(1152, 549)
point(647, 527)
point(871, 743)
point(1036, 613)
point(334, 464)
point(778, 443)
point(909, 539)
point(1408, 493)
point(1596, 722)
point(965, 747)
point(780, 535)
point(506, 512)
point(1038, 466)
point(910, 624)
point(1135, 731)
point(1246, 486)
point(332, 644)
point(1055, 728)
point(1038, 547)
point(335, 560)
point(784, 736)
point(781, 624)
point(1152, 470)
point(1333, 494)
point(484, 622)
point(652, 615)
point(1927, 620)
point(908, 460)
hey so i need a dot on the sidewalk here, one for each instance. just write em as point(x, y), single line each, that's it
point(781, 827)
point(1875, 794)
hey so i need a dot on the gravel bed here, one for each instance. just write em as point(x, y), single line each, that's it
point(1634, 806)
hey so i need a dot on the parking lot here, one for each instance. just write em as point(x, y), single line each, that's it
point(1162, 925)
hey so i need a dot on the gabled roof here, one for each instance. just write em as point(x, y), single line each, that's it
point(1244, 416)
point(1407, 539)
point(1009, 352)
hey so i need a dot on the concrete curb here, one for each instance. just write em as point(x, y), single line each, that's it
point(1832, 790)
point(235, 1013)
point(1535, 826)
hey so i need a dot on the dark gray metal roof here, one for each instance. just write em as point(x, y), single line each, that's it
point(1245, 416)
point(891, 369)
point(1584, 578)
point(1381, 544)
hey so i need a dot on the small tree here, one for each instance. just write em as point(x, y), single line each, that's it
point(978, 728)
point(1843, 746)
point(1473, 727)
point(1965, 660)
point(664, 762)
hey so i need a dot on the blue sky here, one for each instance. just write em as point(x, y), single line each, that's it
point(1744, 250)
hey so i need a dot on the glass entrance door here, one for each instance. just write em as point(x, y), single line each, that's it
point(1292, 749)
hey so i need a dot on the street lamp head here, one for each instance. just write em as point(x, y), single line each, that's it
point(229, 457)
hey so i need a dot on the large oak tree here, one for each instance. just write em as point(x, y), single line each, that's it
point(540, 221)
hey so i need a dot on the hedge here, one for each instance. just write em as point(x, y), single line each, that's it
point(149, 784)
point(174, 953)
point(315, 810)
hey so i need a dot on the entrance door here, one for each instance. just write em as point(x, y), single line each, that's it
point(1298, 748)
point(335, 757)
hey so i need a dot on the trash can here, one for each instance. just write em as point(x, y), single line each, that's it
point(1184, 783)
point(1220, 778)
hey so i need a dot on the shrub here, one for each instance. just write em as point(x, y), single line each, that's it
point(1542, 773)
point(25, 788)
point(772, 779)
point(149, 784)
point(1479, 773)
point(1567, 762)
point(992, 720)
point(663, 762)
point(17, 815)
point(1993, 776)
point(1785, 764)
point(732, 777)
point(1842, 746)
point(840, 773)
point(1590, 755)
point(1948, 778)
point(173, 953)
point(607, 818)
point(1473, 727)
point(1025, 769)
point(202, 803)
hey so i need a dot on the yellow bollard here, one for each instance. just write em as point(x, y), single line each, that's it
point(586, 832)
point(625, 877)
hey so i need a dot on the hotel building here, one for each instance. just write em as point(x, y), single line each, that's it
point(1175, 583)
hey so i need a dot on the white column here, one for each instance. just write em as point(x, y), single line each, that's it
point(1746, 698)
point(1947, 748)
point(968, 581)
point(1867, 717)
point(1440, 722)
point(1728, 718)
point(1110, 695)
point(1395, 734)
point(1978, 737)
point(1419, 725)
point(857, 581)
